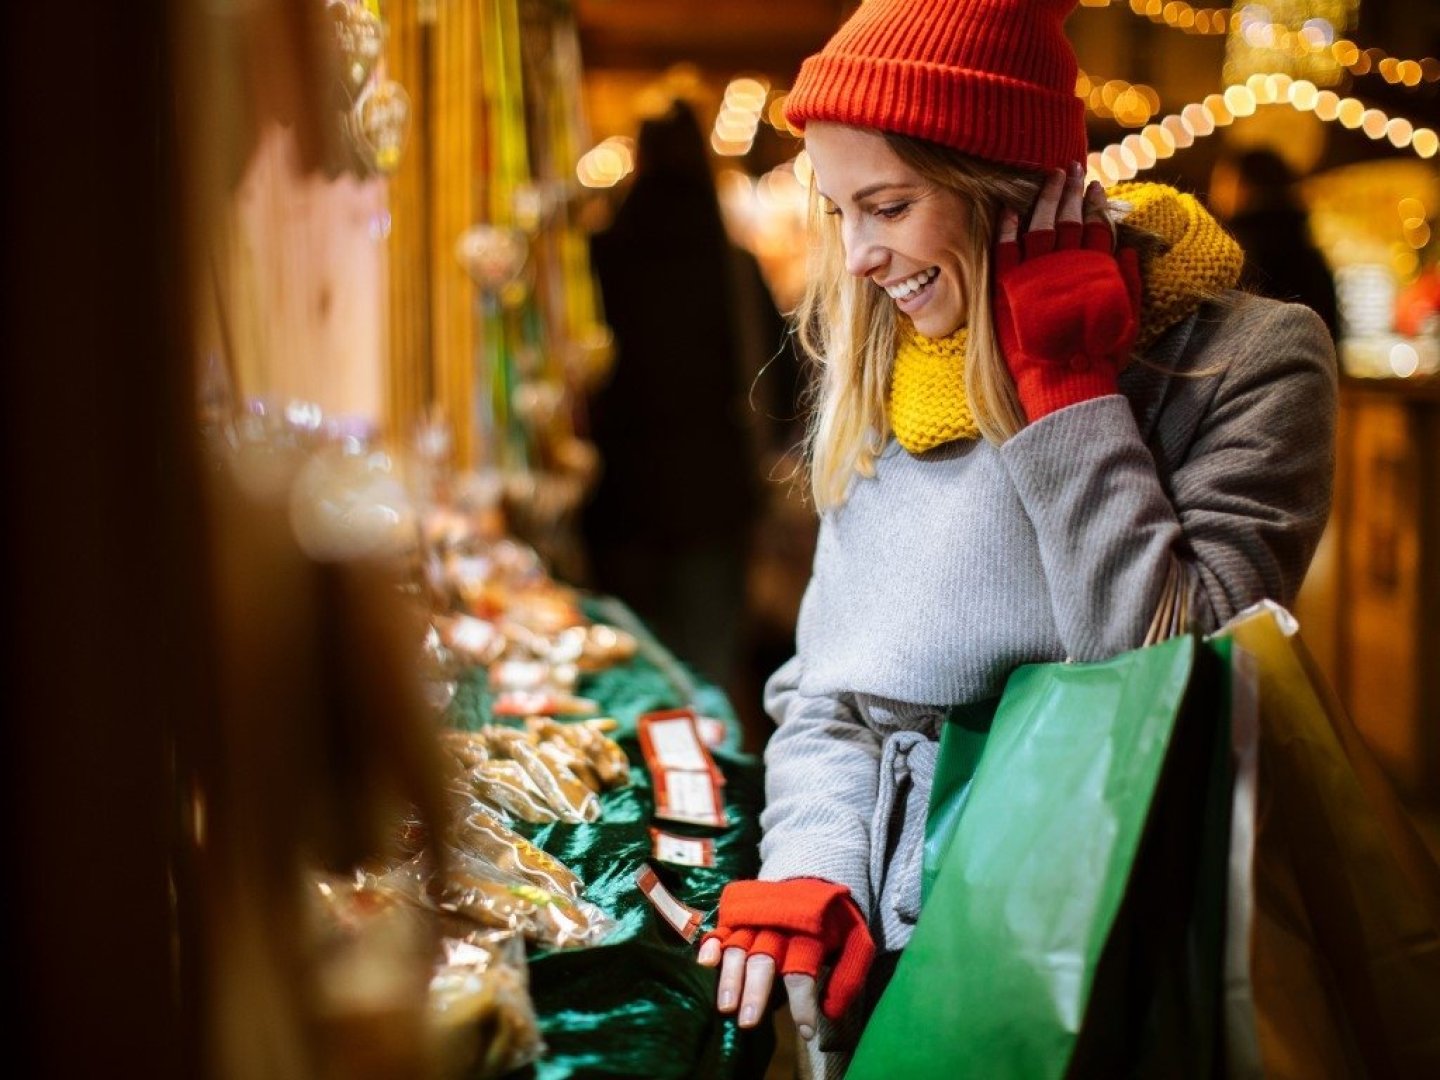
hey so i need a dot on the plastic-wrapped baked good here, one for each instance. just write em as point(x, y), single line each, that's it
point(371, 950)
point(542, 703)
point(508, 787)
point(592, 648)
point(566, 757)
point(563, 791)
point(468, 748)
point(587, 738)
point(532, 676)
point(471, 888)
point(476, 641)
point(482, 1022)
point(486, 838)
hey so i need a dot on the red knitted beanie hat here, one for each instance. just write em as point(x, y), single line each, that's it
point(993, 78)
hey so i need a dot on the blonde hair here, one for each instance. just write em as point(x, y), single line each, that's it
point(847, 327)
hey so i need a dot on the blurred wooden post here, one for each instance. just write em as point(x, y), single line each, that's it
point(434, 198)
point(105, 583)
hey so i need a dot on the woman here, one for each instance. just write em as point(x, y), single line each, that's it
point(1025, 439)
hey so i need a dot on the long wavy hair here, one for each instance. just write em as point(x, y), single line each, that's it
point(847, 327)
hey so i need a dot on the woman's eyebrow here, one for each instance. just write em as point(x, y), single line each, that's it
point(875, 189)
point(869, 190)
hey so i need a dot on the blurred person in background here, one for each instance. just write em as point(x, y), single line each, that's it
point(1043, 418)
point(679, 426)
point(1255, 194)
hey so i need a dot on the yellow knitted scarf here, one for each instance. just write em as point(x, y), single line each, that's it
point(928, 405)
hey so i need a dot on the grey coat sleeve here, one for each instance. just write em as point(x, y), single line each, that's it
point(1246, 501)
point(821, 775)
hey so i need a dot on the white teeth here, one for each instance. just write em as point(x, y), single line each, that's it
point(910, 285)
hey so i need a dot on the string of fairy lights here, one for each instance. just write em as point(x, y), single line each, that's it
point(1255, 26)
point(1137, 152)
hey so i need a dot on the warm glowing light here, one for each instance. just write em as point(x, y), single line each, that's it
point(746, 93)
point(1200, 119)
point(1410, 208)
point(1425, 142)
point(1351, 112)
point(1144, 153)
point(1180, 131)
point(1303, 94)
point(1220, 114)
point(1404, 360)
point(1327, 105)
point(775, 114)
point(1160, 141)
point(1115, 156)
point(804, 172)
point(1239, 100)
point(1131, 108)
point(607, 164)
point(1399, 131)
point(1373, 123)
point(735, 126)
point(727, 148)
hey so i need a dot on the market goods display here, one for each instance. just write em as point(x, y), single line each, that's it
point(481, 1019)
point(374, 940)
point(537, 696)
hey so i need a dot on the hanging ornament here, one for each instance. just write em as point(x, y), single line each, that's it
point(534, 205)
point(380, 124)
point(494, 257)
point(360, 37)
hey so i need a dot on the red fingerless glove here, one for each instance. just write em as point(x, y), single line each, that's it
point(1066, 313)
point(802, 924)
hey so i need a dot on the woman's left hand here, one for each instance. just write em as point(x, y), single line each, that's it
point(1066, 304)
point(796, 927)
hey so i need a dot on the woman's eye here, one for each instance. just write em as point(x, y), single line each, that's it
point(892, 212)
point(830, 208)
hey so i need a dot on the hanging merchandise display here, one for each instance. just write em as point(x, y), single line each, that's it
point(360, 39)
point(377, 123)
point(536, 324)
point(380, 124)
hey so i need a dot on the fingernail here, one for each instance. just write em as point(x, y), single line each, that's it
point(807, 1032)
point(727, 1000)
point(747, 1015)
point(1074, 168)
point(708, 951)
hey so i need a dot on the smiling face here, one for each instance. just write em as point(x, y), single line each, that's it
point(900, 231)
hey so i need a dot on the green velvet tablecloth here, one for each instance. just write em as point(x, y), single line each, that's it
point(638, 1005)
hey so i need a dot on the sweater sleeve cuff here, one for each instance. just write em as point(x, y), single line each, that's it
point(785, 865)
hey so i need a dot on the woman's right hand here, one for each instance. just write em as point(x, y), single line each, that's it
point(795, 927)
point(1066, 303)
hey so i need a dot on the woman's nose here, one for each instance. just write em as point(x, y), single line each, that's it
point(863, 257)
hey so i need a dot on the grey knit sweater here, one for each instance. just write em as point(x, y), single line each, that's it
point(943, 572)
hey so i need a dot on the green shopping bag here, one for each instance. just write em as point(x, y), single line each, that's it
point(1071, 924)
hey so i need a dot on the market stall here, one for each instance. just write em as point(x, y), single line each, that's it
point(506, 870)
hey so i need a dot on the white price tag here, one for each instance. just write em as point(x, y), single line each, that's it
point(676, 745)
point(682, 850)
point(685, 920)
point(691, 796)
